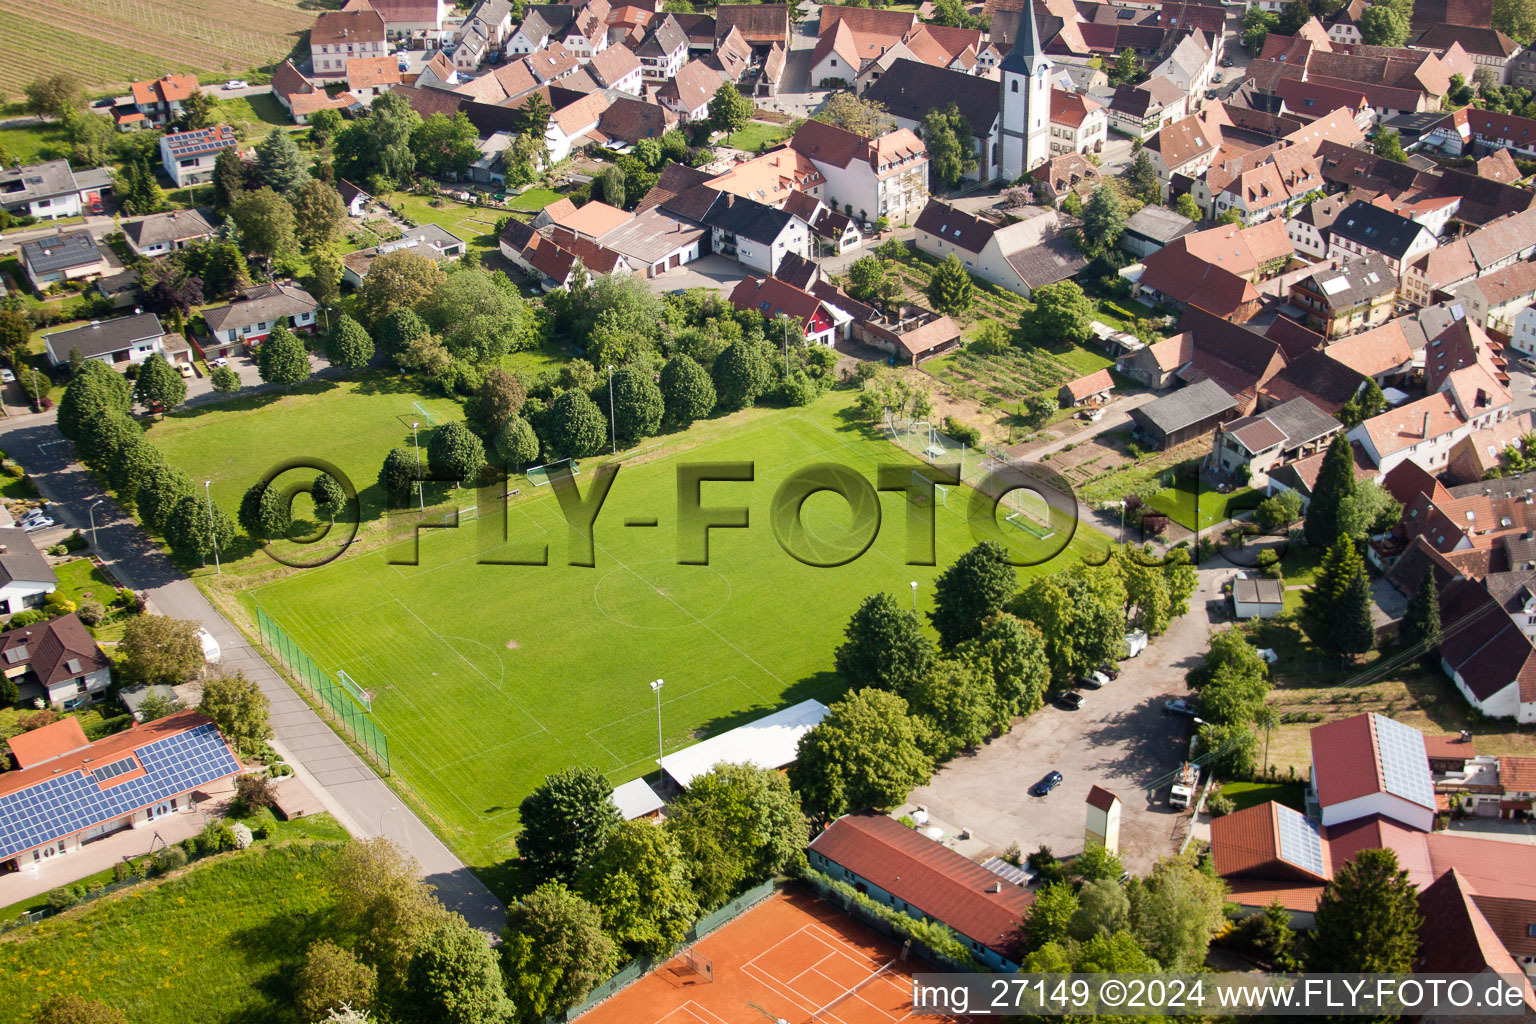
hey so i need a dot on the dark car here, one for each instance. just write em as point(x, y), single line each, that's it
point(1045, 785)
point(1092, 681)
point(1071, 700)
point(1111, 670)
point(1180, 707)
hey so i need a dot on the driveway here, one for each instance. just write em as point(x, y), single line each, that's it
point(1121, 741)
point(710, 271)
point(344, 783)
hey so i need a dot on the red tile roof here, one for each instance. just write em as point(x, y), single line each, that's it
point(1450, 748)
point(1455, 936)
point(1102, 799)
point(1516, 774)
point(48, 742)
point(929, 877)
point(79, 758)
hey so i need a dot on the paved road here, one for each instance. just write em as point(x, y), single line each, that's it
point(345, 784)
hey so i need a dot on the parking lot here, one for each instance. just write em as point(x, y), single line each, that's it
point(1121, 740)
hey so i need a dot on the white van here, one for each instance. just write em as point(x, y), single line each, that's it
point(211, 652)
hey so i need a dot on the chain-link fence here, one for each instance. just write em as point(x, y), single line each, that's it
point(331, 695)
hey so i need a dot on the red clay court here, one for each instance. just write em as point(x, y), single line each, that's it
point(792, 958)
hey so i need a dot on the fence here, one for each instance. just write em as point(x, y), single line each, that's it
point(332, 697)
point(639, 968)
point(882, 924)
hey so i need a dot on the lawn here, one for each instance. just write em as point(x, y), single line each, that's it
point(754, 137)
point(489, 676)
point(258, 110)
point(80, 579)
point(228, 933)
point(1247, 794)
point(1178, 503)
point(33, 144)
point(533, 200)
point(475, 224)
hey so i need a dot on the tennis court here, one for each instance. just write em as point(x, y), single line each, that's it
point(793, 959)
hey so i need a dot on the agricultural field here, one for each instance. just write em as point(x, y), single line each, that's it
point(109, 43)
point(488, 676)
point(1004, 379)
point(165, 952)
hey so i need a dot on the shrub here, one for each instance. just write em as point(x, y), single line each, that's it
point(170, 859)
point(253, 793)
point(216, 837)
point(65, 897)
point(1269, 563)
point(75, 541)
point(262, 823)
point(961, 432)
point(243, 836)
point(91, 612)
point(1219, 804)
point(122, 871)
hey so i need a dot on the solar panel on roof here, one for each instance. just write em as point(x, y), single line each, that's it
point(1404, 762)
point(1300, 843)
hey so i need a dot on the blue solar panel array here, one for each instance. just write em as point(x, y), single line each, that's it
point(1404, 762)
point(73, 800)
point(1300, 843)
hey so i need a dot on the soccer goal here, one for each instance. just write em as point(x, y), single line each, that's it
point(918, 496)
point(431, 420)
point(1030, 513)
point(362, 696)
point(538, 476)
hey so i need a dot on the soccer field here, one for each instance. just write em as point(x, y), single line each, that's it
point(487, 677)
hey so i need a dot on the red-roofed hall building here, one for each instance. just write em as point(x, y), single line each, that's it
point(907, 871)
point(773, 298)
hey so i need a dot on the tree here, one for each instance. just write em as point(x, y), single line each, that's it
point(159, 650)
point(1062, 312)
point(729, 110)
point(1103, 908)
point(950, 289)
point(1141, 176)
point(574, 426)
point(195, 528)
point(159, 388)
point(1257, 23)
point(1127, 68)
point(515, 443)
point(866, 276)
point(453, 976)
point(347, 344)
point(974, 587)
point(499, 398)
point(102, 435)
point(158, 492)
point(398, 473)
point(1187, 207)
point(379, 143)
point(1011, 653)
point(282, 358)
point(169, 295)
point(553, 951)
point(138, 192)
point(225, 379)
point(228, 179)
point(1080, 614)
point(639, 884)
point(863, 754)
point(280, 164)
point(1421, 619)
point(381, 900)
point(129, 464)
point(220, 264)
point(319, 215)
point(1279, 512)
point(567, 821)
point(866, 118)
point(324, 124)
point(1385, 144)
point(15, 329)
point(54, 95)
point(955, 708)
point(1369, 401)
point(948, 135)
point(1367, 919)
point(1049, 918)
point(1103, 217)
point(1383, 25)
point(1146, 591)
point(885, 646)
point(1336, 609)
point(91, 138)
point(479, 317)
point(637, 403)
point(610, 184)
point(1335, 482)
point(1516, 19)
point(445, 145)
point(398, 329)
point(686, 390)
point(332, 976)
point(266, 224)
point(741, 374)
point(737, 825)
point(1175, 910)
point(1367, 510)
point(68, 1008)
point(328, 496)
point(454, 453)
point(264, 513)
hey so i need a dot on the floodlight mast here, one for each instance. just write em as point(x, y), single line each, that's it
point(656, 686)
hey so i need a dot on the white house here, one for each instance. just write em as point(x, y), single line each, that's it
point(753, 234)
point(880, 177)
point(65, 256)
point(1020, 257)
point(688, 92)
point(663, 52)
point(1190, 66)
point(617, 67)
point(410, 19)
point(247, 321)
point(188, 157)
point(1079, 124)
point(160, 234)
point(25, 575)
point(60, 656)
point(339, 36)
point(427, 239)
point(1362, 229)
point(126, 339)
point(1400, 787)
point(46, 191)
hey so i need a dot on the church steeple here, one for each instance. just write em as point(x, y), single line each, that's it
point(1025, 58)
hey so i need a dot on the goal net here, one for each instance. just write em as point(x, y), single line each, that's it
point(1030, 512)
point(538, 476)
point(362, 696)
point(425, 415)
point(918, 491)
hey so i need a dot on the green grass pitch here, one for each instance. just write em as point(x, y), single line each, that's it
point(487, 677)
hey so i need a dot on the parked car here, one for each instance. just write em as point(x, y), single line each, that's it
point(221, 361)
point(1045, 785)
point(1226, 62)
point(1216, 78)
point(6, 376)
point(1180, 707)
point(1071, 700)
point(1110, 670)
point(32, 524)
point(186, 369)
point(237, 83)
point(1093, 681)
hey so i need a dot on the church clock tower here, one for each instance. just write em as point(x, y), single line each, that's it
point(1026, 104)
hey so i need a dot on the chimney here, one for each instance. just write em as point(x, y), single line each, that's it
point(1425, 431)
point(730, 199)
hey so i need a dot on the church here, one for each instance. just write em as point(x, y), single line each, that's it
point(1026, 102)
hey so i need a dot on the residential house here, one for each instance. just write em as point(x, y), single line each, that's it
point(368, 78)
point(1523, 337)
point(1347, 298)
point(1188, 146)
point(731, 59)
point(1179, 275)
point(1248, 448)
point(1309, 226)
point(587, 33)
point(910, 873)
point(160, 101)
point(774, 299)
point(65, 256)
point(188, 157)
point(426, 239)
point(886, 176)
point(484, 32)
point(762, 25)
point(1063, 175)
point(574, 125)
point(340, 36)
point(1184, 415)
point(542, 24)
point(126, 339)
point(1480, 454)
point(1152, 227)
point(1493, 301)
point(1156, 366)
point(617, 67)
point(354, 198)
point(689, 91)
point(1020, 257)
point(1485, 251)
point(630, 120)
point(911, 90)
point(753, 234)
point(772, 178)
point(664, 51)
point(246, 322)
point(303, 98)
point(47, 191)
point(852, 37)
point(1488, 47)
point(1142, 110)
point(1362, 229)
point(67, 791)
point(26, 578)
point(1191, 65)
point(1078, 124)
point(1382, 353)
point(60, 657)
point(832, 232)
point(418, 20)
point(558, 257)
point(162, 233)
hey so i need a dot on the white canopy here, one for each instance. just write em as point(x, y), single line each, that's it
point(636, 799)
point(769, 742)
